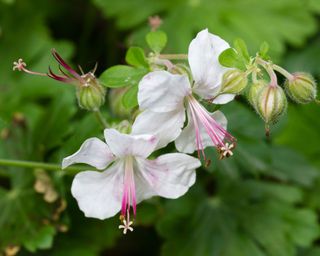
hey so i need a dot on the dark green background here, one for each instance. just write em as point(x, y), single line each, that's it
point(264, 201)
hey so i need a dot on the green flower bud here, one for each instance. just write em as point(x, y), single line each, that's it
point(123, 127)
point(254, 91)
point(271, 103)
point(91, 96)
point(301, 88)
point(234, 81)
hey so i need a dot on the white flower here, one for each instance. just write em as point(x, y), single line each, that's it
point(128, 177)
point(165, 99)
point(207, 72)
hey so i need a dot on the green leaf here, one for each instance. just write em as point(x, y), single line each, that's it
point(129, 99)
point(43, 239)
point(307, 59)
point(263, 52)
point(278, 22)
point(231, 59)
point(23, 212)
point(314, 5)
point(297, 170)
point(57, 118)
point(135, 57)
point(240, 219)
point(121, 76)
point(156, 40)
point(87, 236)
point(285, 193)
point(314, 251)
point(256, 157)
point(242, 49)
point(237, 57)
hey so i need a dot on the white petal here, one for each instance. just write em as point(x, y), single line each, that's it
point(99, 194)
point(144, 190)
point(165, 126)
point(161, 91)
point(186, 142)
point(130, 145)
point(203, 57)
point(169, 176)
point(223, 98)
point(93, 152)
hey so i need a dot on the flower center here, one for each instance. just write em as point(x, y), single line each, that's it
point(221, 139)
point(129, 196)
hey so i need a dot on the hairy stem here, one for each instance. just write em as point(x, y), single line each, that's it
point(173, 56)
point(101, 119)
point(32, 165)
point(282, 71)
point(269, 68)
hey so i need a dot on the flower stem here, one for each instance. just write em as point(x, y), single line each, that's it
point(282, 71)
point(269, 68)
point(30, 164)
point(100, 119)
point(254, 76)
point(173, 56)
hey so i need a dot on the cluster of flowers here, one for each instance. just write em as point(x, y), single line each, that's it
point(171, 110)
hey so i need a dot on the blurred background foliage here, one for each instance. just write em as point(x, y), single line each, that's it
point(264, 201)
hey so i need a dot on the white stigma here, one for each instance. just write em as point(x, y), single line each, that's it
point(19, 65)
point(126, 226)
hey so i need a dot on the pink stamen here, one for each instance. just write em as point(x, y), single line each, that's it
point(68, 76)
point(65, 65)
point(129, 191)
point(64, 79)
point(199, 144)
point(20, 65)
point(216, 132)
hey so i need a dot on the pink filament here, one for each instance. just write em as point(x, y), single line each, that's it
point(65, 65)
point(215, 131)
point(129, 191)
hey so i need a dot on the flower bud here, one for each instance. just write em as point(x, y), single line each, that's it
point(301, 88)
point(234, 81)
point(92, 96)
point(123, 127)
point(254, 91)
point(271, 103)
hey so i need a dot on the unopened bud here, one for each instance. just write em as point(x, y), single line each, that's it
point(301, 88)
point(271, 103)
point(92, 96)
point(123, 127)
point(254, 91)
point(234, 81)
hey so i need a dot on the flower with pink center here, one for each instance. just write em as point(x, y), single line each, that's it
point(127, 176)
point(166, 99)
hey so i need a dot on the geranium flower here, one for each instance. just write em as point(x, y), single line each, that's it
point(128, 177)
point(166, 98)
